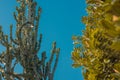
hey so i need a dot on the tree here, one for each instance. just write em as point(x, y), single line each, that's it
point(98, 49)
point(23, 48)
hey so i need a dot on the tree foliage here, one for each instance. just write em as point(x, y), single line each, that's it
point(24, 48)
point(98, 49)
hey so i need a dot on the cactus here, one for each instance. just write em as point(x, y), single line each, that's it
point(24, 47)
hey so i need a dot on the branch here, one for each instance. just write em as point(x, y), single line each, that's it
point(11, 38)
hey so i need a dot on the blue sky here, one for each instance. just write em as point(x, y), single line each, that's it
point(60, 19)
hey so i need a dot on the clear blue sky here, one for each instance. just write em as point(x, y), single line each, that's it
point(60, 19)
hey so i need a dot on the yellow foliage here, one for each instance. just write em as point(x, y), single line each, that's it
point(76, 57)
point(117, 67)
point(99, 46)
point(115, 18)
point(91, 76)
point(116, 45)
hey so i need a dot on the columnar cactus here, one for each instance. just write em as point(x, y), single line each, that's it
point(24, 47)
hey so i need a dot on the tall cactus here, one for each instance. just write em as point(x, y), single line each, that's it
point(23, 48)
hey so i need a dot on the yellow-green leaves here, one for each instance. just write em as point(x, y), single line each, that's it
point(116, 45)
point(76, 57)
point(98, 49)
point(117, 68)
